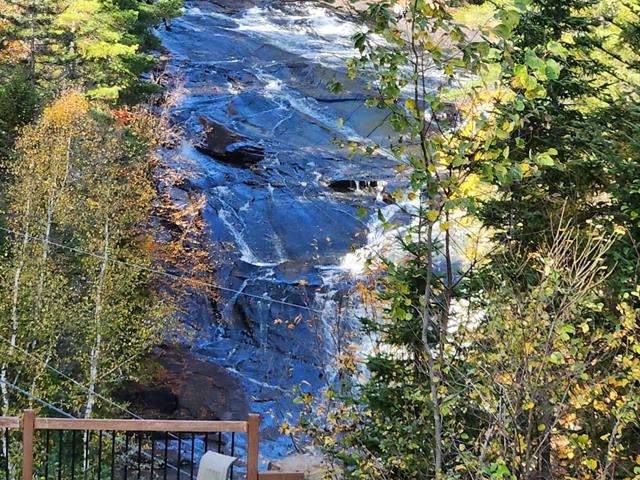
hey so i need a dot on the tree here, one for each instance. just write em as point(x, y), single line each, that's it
point(84, 181)
point(593, 42)
point(18, 107)
point(550, 388)
point(448, 142)
point(99, 45)
point(512, 366)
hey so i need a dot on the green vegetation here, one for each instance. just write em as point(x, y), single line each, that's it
point(507, 335)
point(523, 360)
point(78, 191)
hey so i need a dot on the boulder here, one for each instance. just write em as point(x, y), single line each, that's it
point(313, 466)
point(226, 146)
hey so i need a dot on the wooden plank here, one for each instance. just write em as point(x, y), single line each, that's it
point(252, 446)
point(280, 476)
point(9, 422)
point(174, 426)
point(28, 421)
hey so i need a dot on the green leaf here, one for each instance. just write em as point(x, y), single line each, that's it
point(555, 358)
point(553, 69)
point(531, 83)
point(521, 72)
point(503, 31)
point(557, 49)
point(545, 160)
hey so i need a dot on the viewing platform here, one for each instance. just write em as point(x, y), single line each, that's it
point(33, 447)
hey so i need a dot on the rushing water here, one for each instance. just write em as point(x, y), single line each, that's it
point(278, 229)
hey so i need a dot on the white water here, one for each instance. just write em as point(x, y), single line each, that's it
point(308, 31)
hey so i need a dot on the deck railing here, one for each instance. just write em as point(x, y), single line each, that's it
point(83, 449)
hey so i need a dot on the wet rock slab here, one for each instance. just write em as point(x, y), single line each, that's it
point(282, 202)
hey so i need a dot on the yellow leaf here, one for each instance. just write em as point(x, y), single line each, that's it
point(591, 463)
point(411, 105)
point(433, 215)
point(444, 226)
point(469, 184)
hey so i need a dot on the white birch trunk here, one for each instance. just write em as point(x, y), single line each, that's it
point(54, 196)
point(14, 313)
point(94, 360)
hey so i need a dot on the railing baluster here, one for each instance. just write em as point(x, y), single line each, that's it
point(7, 442)
point(179, 454)
point(99, 476)
point(60, 449)
point(193, 447)
point(233, 450)
point(113, 454)
point(47, 436)
point(153, 454)
point(73, 455)
point(166, 449)
point(206, 442)
point(219, 442)
point(126, 454)
point(85, 460)
point(139, 455)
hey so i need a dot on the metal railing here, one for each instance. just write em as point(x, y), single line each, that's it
point(84, 449)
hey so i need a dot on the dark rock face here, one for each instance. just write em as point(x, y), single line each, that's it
point(222, 144)
point(188, 387)
point(352, 185)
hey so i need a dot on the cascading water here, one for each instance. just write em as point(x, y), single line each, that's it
point(278, 228)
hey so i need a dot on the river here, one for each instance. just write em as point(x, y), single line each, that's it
point(282, 205)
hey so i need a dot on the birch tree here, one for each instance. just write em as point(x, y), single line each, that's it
point(77, 261)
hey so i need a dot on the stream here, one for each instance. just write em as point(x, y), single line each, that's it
point(281, 196)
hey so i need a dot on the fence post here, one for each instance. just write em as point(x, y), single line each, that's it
point(253, 434)
point(28, 427)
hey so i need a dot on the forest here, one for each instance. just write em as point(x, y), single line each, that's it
point(491, 329)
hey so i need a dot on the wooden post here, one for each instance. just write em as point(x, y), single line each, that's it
point(28, 428)
point(253, 434)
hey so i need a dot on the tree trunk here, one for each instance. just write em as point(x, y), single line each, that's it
point(54, 196)
point(433, 370)
point(94, 360)
point(14, 311)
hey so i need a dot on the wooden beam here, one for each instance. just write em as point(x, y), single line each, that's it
point(174, 426)
point(28, 421)
point(252, 446)
point(280, 476)
point(9, 422)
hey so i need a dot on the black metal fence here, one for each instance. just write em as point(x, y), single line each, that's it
point(130, 455)
point(10, 450)
point(68, 449)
